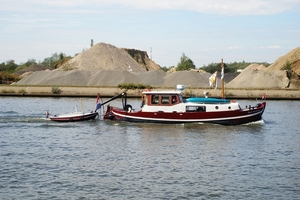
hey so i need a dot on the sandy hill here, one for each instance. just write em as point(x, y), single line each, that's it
point(283, 73)
point(107, 65)
point(114, 78)
point(142, 58)
point(104, 57)
point(256, 76)
point(290, 61)
point(251, 77)
point(256, 67)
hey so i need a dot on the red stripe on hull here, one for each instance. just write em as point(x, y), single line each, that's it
point(74, 118)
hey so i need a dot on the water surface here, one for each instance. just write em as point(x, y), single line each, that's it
point(41, 159)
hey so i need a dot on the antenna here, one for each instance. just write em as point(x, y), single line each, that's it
point(150, 53)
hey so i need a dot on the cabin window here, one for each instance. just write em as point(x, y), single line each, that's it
point(165, 99)
point(155, 99)
point(174, 99)
point(195, 109)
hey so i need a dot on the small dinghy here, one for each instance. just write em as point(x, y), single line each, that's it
point(76, 116)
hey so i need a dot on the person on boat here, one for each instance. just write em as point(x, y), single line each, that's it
point(174, 99)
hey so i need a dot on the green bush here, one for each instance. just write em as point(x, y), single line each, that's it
point(287, 66)
point(132, 86)
point(55, 90)
point(22, 91)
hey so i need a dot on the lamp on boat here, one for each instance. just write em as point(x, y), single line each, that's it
point(206, 94)
point(180, 87)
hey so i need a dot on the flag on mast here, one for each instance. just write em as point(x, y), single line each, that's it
point(213, 80)
point(222, 72)
point(98, 105)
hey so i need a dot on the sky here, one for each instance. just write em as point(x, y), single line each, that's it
point(205, 31)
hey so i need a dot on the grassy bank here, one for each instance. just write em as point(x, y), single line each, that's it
point(73, 91)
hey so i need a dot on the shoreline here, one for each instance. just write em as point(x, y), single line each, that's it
point(107, 92)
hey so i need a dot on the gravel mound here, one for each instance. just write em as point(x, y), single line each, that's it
point(283, 73)
point(152, 78)
point(113, 78)
point(106, 65)
point(252, 77)
point(103, 57)
point(292, 58)
point(29, 70)
point(187, 78)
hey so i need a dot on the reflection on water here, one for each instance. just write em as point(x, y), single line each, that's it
point(41, 159)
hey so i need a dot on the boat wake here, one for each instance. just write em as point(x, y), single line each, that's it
point(259, 122)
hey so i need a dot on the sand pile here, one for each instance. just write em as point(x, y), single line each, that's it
point(29, 70)
point(250, 77)
point(292, 58)
point(103, 57)
point(256, 67)
point(113, 78)
point(283, 73)
point(106, 65)
point(142, 58)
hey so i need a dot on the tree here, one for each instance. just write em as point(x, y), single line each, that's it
point(61, 56)
point(10, 66)
point(92, 42)
point(30, 62)
point(185, 63)
point(53, 60)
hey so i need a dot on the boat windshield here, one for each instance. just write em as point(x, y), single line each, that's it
point(165, 99)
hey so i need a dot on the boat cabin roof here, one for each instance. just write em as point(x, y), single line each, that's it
point(162, 92)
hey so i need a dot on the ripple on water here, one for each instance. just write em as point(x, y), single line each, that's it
point(41, 159)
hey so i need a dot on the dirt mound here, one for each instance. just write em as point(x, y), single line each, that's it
point(113, 78)
point(33, 68)
point(255, 66)
point(283, 73)
point(251, 78)
point(152, 78)
point(106, 65)
point(290, 61)
point(103, 57)
point(230, 76)
point(187, 78)
point(141, 57)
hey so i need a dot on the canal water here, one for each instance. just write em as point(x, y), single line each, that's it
point(41, 159)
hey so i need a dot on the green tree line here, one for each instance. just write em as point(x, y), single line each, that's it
point(9, 67)
point(229, 67)
point(186, 63)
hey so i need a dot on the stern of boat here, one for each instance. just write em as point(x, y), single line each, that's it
point(108, 114)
